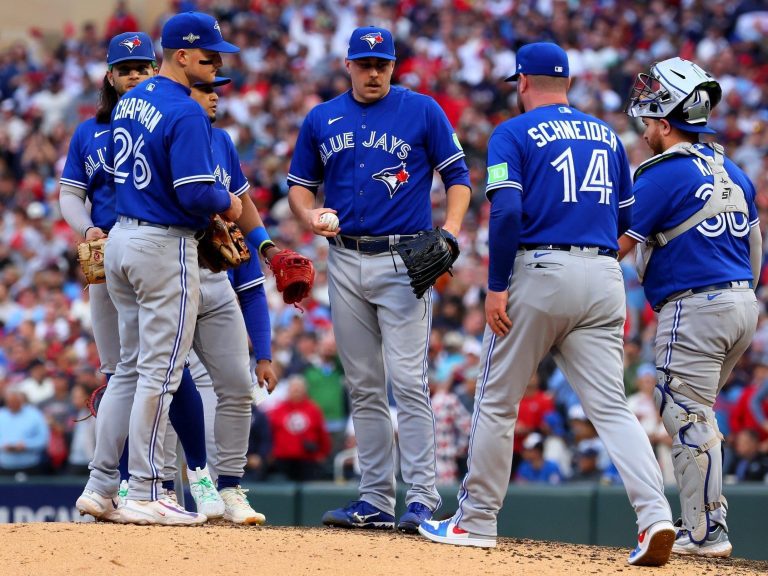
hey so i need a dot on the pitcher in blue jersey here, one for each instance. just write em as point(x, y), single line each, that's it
point(376, 147)
point(560, 193)
point(699, 253)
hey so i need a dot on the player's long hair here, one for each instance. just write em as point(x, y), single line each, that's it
point(107, 101)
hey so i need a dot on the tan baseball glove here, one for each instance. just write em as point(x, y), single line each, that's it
point(223, 246)
point(90, 254)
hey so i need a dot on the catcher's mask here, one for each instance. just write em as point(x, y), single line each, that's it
point(678, 90)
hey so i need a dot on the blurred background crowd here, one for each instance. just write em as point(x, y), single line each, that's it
point(292, 58)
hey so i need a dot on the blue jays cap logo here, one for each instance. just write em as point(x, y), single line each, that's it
point(373, 38)
point(393, 178)
point(131, 43)
point(191, 38)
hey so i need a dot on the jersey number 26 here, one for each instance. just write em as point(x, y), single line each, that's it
point(125, 148)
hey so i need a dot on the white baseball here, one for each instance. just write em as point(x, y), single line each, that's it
point(330, 220)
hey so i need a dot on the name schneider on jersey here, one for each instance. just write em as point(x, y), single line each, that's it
point(551, 130)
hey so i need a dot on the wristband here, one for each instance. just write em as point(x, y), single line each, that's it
point(260, 238)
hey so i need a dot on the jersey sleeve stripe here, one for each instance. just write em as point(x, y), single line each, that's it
point(627, 202)
point(634, 235)
point(449, 160)
point(252, 284)
point(504, 184)
point(73, 183)
point(242, 189)
point(108, 169)
point(190, 179)
point(754, 222)
point(303, 182)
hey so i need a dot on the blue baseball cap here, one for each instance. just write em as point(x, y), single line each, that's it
point(541, 59)
point(218, 81)
point(371, 42)
point(195, 30)
point(130, 46)
point(685, 127)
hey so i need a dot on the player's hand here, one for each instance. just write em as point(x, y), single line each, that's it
point(496, 313)
point(319, 227)
point(94, 233)
point(235, 208)
point(265, 375)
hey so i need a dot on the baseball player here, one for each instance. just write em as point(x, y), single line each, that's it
point(160, 157)
point(376, 148)
point(131, 59)
point(700, 252)
point(560, 191)
point(233, 306)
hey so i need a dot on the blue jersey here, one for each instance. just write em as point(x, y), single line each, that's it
point(571, 170)
point(229, 173)
point(715, 251)
point(377, 160)
point(161, 139)
point(84, 169)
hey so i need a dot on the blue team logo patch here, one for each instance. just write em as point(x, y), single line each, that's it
point(131, 43)
point(372, 39)
point(394, 178)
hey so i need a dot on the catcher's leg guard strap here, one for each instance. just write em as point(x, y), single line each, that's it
point(696, 457)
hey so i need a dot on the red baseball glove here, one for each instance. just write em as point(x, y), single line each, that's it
point(294, 275)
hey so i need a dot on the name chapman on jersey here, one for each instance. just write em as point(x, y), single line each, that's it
point(386, 142)
point(139, 110)
point(551, 130)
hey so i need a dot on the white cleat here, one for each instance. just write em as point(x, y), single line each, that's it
point(654, 545)
point(238, 509)
point(163, 512)
point(98, 506)
point(716, 544)
point(206, 496)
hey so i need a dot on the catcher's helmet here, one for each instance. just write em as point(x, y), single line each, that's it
point(678, 90)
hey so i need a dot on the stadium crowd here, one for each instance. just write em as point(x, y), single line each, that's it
point(458, 52)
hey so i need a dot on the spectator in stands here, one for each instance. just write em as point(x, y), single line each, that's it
point(23, 435)
point(749, 464)
point(300, 440)
point(534, 468)
point(452, 423)
point(83, 433)
point(38, 386)
point(325, 384)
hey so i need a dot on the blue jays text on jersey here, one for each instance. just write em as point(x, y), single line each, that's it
point(377, 160)
point(84, 169)
point(569, 167)
point(161, 139)
point(715, 251)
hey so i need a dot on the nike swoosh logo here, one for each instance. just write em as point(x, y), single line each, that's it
point(363, 518)
point(332, 120)
point(540, 254)
point(97, 134)
point(713, 296)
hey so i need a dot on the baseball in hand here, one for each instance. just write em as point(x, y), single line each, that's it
point(330, 220)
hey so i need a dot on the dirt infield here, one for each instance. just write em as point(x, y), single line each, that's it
point(55, 549)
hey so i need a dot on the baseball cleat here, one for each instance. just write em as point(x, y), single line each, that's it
point(415, 515)
point(359, 514)
point(98, 506)
point(716, 545)
point(207, 499)
point(122, 493)
point(447, 532)
point(163, 512)
point(654, 545)
point(237, 508)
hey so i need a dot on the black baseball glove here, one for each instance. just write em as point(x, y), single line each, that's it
point(428, 256)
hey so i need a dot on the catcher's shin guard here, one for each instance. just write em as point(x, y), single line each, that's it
point(696, 457)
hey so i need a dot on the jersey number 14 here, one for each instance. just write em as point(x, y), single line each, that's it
point(597, 178)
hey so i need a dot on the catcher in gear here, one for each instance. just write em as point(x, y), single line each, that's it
point(427, 257)
point(376, 148)
point(695, 214)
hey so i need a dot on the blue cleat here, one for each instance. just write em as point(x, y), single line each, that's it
point(359, 514)
point(415, 515)
point(447, 532)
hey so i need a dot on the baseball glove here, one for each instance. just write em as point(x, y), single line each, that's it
point(294, 275)
point(93, 402)
point(222, 246)
point(428, 256)
point(90, 254)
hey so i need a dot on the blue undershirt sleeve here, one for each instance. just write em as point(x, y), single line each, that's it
point(504, 236)
point(253, 302)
